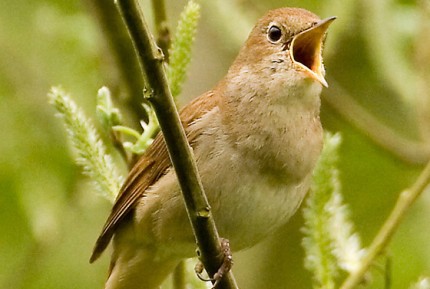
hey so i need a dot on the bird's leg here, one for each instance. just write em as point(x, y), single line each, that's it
point(223, 269)
point(227, 262)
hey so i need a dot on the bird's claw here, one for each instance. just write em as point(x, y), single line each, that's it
point(223, 269)
point(227, 262)
point(198, 269)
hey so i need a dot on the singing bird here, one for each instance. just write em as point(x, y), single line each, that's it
point(256, 137)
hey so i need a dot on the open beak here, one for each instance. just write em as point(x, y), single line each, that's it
point(306, 49)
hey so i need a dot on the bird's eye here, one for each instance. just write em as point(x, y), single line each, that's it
point(274, 33)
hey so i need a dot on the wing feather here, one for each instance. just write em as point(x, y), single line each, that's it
point(149, 168)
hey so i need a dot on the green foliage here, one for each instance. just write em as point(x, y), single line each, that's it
point(91, 152)
point(317, 242)
point(180, 57)
point(346, 243)
point(40, 186)
point(144, 140)
point(108, 115)
point(329, 241)
point(180, 52)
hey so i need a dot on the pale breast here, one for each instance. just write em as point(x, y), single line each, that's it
point(251, 194)
point(253, 184)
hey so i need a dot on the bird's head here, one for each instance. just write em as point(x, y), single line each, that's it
point(286, 41)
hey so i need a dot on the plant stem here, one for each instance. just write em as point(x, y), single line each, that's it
point(158, 93)
point(415, 152)
point(385, 234)
point(123, 54)
point(421, 64)
point(161, 26)
point(384, 48)
point(119, 146)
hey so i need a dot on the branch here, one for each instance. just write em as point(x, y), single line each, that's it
point(404, 202)
point(421, 64)
point(198, 209)
point(385, 51)
point(122, 51)
point(161, 26)
point(416, 152)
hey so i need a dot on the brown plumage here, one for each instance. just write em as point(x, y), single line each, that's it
point(148, 169)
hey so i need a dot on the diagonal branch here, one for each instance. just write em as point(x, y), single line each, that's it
point(116, 36)
point(158, 93)
point(415, 152)
point(161, 26)
point(385, 234)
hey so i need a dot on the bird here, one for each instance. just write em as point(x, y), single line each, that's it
point(256, 137)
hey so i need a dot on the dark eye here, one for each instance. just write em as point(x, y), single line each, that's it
point(274, 34)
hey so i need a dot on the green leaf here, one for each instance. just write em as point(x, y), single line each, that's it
point(317, 242)
point(180, 52)
point(107, 114)
point(91, 152)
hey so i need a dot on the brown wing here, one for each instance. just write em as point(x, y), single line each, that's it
point(150, 167)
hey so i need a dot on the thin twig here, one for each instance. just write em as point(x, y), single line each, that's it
point(123, 53)
point(161, 26)
point(421, 64)
point(408, 150)
point(119, 146)
point(385, 234)
point(198, 209)
point(385, 50)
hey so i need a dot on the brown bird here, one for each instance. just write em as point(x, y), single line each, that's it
point(256, 138)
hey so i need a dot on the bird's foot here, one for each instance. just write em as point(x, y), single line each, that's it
point(225, 267)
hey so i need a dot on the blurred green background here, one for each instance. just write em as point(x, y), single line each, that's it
point(378, 67)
